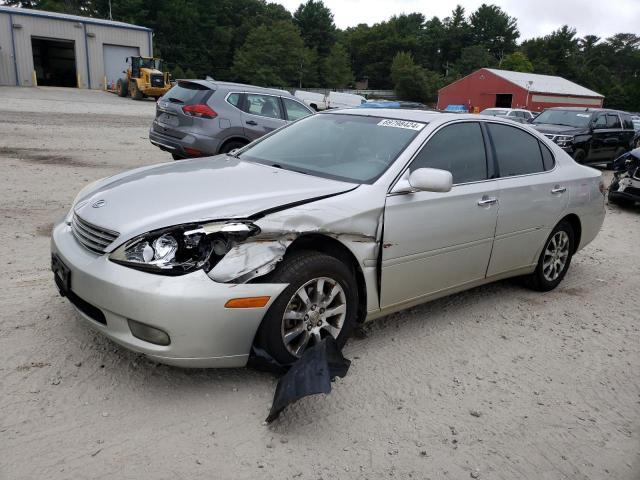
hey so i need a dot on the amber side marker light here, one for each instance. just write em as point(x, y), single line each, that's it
point(247, 302)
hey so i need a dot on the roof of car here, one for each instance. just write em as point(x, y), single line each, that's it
point(411, 115)
point(589, 110)
point(231, 85)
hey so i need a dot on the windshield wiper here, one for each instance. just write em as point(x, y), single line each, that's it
point(277, 165)
point(175, 100)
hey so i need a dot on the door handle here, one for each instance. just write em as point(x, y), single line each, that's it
point(252, 122)
point(558, 189)
point(484, 201)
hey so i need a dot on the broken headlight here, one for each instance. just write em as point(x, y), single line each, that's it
point(184, 248)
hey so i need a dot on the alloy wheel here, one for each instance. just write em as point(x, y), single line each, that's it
point(317, 309)
point(556, 253)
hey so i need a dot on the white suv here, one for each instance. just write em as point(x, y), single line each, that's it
point(515, 114)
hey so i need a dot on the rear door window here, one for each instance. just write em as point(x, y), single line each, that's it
point(457, 148)
point(613, 121)
point(263, 105)
point(517, 152)
point(295, 110)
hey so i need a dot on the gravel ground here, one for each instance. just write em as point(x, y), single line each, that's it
point(495, 383)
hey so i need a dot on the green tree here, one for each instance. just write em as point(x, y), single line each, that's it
point(272, 56)
point(315, 22)
point(336, 68)
point(491, 27)
point(517, 62)
point(411, 81)
point(472, 58)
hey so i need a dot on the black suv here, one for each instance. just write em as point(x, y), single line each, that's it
point(589, 135)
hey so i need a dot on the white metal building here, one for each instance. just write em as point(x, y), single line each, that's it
point(55, 49)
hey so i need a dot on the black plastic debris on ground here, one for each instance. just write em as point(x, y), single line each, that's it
point(310, 375)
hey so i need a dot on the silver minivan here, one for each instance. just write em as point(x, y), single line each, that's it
point(198, 118)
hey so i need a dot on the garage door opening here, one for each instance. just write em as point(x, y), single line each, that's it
point(503, 100)
point(54, 62)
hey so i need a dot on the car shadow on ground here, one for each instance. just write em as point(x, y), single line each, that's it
point(435, 314)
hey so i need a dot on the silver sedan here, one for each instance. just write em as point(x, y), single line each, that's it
point(336, 219)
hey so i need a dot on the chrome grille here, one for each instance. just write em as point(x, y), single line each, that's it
point(90, 236)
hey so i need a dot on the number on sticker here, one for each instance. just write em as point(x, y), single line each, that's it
point(387, 122)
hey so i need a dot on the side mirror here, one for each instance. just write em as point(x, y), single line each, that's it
point(431, 180)
point(424, 180)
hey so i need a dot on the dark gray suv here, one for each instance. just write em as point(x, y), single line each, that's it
point(197, 118)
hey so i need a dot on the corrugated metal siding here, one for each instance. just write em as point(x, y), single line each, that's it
point(46, 28)
point(33, 26)
point(7, 69)
point(112, 36)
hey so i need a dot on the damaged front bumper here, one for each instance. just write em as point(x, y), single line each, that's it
point(190, 308)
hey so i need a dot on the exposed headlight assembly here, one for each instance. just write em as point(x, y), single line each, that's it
point(183, 248)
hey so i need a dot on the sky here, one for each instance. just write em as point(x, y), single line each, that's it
point(535, 17)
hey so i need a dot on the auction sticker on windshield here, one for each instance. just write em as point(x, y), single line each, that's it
point(387, 122)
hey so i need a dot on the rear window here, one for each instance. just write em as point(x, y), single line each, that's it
point(494, 112)
point(188, 93)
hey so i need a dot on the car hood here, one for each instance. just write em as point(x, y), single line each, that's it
point(558, 129)
point(214, 188)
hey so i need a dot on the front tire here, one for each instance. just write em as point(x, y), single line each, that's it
point(554, 260)
point(579, 155)
point(321, 300)
point(136, 94)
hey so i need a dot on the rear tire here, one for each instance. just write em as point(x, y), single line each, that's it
point(122, 87)
point(305, 322)
point(227, 147)
point(554, 260)
point(579, 155)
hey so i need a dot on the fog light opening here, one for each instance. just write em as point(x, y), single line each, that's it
point(148, 333)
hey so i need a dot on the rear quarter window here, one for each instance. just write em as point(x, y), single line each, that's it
point(547, 157)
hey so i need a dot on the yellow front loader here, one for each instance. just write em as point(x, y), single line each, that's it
point(144, 78)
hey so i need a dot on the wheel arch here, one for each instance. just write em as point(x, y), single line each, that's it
point(234, 138)
point(575, 223)
point(328, 245)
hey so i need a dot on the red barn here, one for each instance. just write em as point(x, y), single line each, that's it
point(489, 87)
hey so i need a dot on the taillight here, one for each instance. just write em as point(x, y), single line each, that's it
point(200, 111)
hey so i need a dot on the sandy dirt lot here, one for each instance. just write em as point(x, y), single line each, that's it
point(495, 383)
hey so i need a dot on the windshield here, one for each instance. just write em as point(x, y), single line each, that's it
point(494, 112)
point(352, 148)
point(154, 63)
point(568, 118)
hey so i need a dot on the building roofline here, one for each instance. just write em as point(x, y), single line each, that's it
point(501, 77)
point(71, 18)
